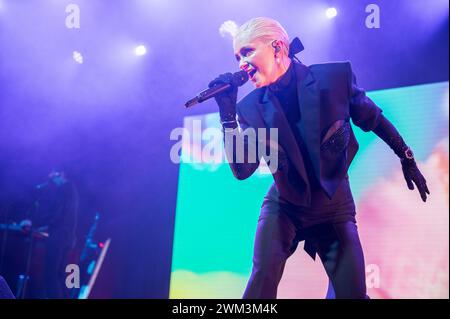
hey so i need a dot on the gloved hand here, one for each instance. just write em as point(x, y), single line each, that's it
point(412, 174)
point(388, 133)
point(227, 99)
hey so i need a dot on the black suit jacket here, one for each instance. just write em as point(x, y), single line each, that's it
point(328, 98)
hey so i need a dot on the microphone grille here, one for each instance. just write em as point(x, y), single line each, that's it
point(240, 78)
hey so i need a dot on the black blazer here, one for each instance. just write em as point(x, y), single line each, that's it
point(328, 98)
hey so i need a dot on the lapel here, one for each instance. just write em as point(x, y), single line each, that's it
point(308, 93)
point(274, 117)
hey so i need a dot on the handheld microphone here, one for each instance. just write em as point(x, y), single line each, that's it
point(239, 78)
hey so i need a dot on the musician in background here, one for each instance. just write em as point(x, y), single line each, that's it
point(56, 209)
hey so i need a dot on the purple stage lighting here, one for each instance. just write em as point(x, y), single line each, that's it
point(77, 57)
point(140, 50)
point(331, 13)
point(229, 27)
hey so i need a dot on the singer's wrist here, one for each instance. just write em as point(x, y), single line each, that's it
point(229, 124)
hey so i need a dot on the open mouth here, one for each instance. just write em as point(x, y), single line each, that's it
point(251, 70)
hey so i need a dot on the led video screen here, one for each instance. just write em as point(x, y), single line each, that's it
point(405, 241)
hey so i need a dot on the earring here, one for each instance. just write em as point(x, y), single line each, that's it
point(277, 50)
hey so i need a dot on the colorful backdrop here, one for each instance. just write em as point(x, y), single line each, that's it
point(406, 241)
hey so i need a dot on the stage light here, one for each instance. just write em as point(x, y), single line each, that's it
point(140, 50)
point(228, 28)
point(331, 13)
point(77, 57)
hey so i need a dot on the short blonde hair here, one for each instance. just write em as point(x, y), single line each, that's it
point(265, 30)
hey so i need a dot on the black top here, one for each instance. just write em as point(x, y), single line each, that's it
point(56, 207)
point(341, 207)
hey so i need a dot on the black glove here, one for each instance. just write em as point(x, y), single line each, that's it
point(412, 174)
point(387, 132)
point(227, 99)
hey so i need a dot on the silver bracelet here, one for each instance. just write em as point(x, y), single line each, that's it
point(227, 122)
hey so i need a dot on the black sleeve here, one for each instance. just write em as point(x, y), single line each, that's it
point(389, 134)
point(241, 148)
point(363, 111)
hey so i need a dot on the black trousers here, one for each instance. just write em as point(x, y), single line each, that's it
point(337, 245)
point(56, 260)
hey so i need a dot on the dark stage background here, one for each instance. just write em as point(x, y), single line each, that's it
point(107, 121)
